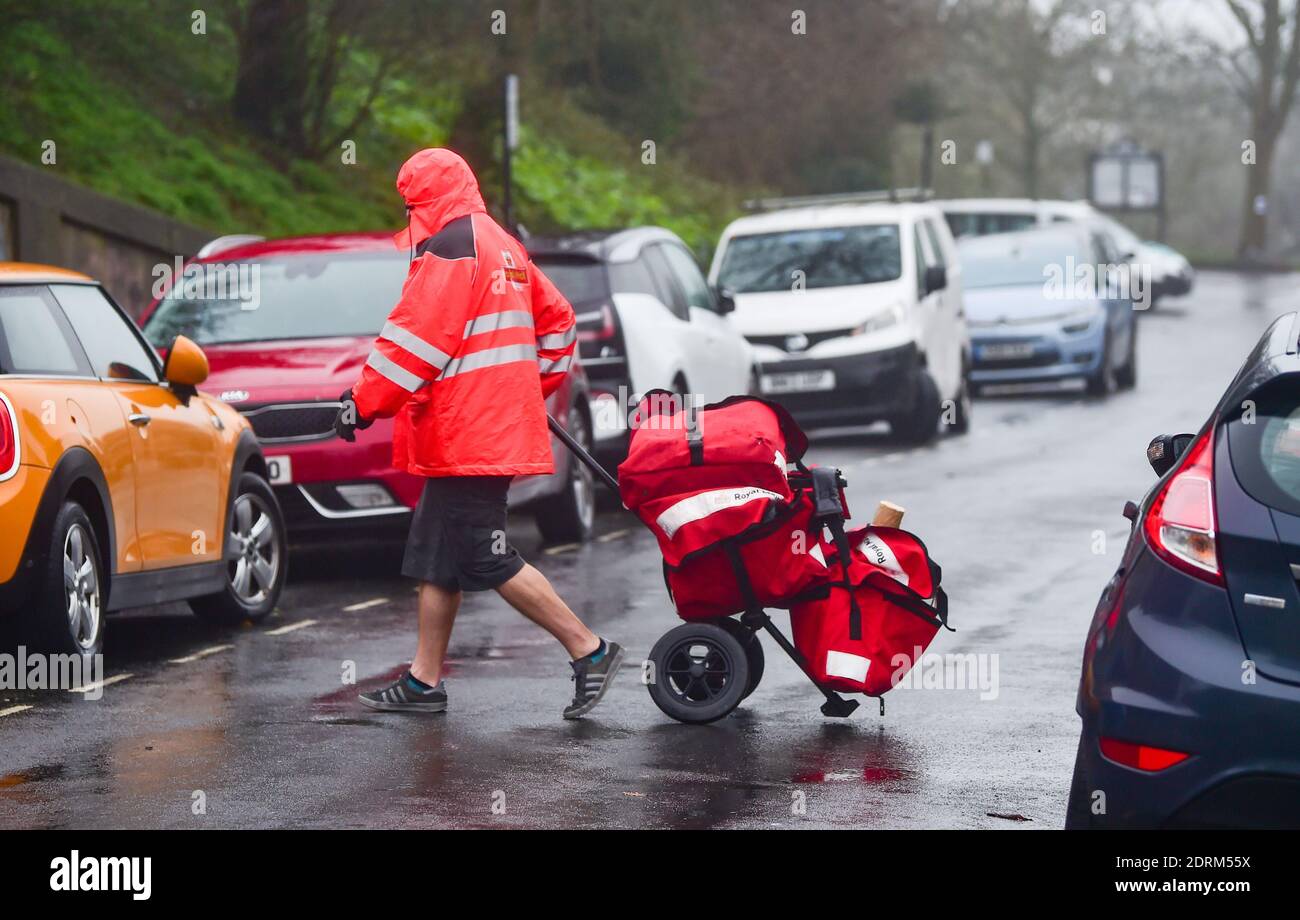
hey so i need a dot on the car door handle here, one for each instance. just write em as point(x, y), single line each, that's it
point(139, 418)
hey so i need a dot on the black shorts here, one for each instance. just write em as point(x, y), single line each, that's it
point(458, 535)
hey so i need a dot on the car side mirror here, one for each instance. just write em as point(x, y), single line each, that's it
point(186, 366)
point(936, 279)
point(1165, 449)
point(726, 301)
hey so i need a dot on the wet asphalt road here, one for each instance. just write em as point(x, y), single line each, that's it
point(260, 722)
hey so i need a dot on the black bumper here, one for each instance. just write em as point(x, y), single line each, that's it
point(870, 387)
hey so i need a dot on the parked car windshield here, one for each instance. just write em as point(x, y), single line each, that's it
point(826, 256)
point(981, 224)
point(289, 297)
point(1012, 261)
point(579, 280)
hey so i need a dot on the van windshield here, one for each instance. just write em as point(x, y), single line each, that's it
point(822, 257)
point(290, 297)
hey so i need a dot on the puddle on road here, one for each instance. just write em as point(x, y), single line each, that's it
point(36, 774)
point(869, 775)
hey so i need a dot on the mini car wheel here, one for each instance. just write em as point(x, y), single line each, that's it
point(753, 650)
point(701, 673)
point(66, 617)
point(256, 557)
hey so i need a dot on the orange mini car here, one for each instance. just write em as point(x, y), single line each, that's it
point(120, 484)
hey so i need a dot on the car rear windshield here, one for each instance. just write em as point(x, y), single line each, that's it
point(1264, 440)
point(579, 280)
point(1016, 260)
point(288, 297)
point(818, 258)
point(986, 223)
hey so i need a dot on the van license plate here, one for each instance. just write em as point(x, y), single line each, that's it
point(798, 382)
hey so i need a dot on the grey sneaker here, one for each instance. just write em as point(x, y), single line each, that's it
point(404, 696)
point(592, 677)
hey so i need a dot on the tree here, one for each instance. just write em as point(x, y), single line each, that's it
point(1034, 62)
point(293, 55)
point(1265, 72)
point(920, 104)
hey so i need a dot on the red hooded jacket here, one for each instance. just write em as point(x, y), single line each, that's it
point(477, 342)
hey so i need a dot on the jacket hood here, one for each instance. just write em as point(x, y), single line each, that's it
point(438, 186)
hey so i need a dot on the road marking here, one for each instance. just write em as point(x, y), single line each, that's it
point(612, 535)
point(301, 624)
point(14, 710)
point(562, 548)
point(101, 684)
point(204, 653)
point(373, 602)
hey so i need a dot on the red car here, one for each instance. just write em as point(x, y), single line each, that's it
point(287, 325)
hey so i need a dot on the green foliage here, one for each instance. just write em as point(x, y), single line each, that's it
point(562, 190)
point(141, 112)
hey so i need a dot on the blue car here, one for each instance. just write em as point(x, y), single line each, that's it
point(1050, 304)
point(1190, 691)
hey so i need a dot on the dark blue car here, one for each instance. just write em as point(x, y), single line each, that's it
point(1190, 691)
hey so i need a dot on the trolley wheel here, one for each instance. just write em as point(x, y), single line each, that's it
point(701, 672)
point(753, 650)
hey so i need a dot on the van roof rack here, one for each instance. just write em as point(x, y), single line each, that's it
point(891, 195)
point(230, 241)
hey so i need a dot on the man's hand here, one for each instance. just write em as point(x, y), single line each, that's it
point(349, 419)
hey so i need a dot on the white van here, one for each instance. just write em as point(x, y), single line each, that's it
point(855, 313)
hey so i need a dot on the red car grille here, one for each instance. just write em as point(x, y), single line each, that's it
point(293, 421)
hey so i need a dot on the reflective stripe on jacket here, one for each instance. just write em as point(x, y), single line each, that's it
point(477, 341)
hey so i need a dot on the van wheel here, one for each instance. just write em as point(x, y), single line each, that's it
point(962, 411)
point(570, 516)
point(66, 617)
point(256, 557)
point(921, 425)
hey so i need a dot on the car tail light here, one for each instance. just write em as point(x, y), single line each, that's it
point(8, 439)
point(1179, 524)
point(1140, 756)
point(597, 325)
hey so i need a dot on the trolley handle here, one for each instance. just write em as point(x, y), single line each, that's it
point(578, 451)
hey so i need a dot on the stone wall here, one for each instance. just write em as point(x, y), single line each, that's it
point(47, 219)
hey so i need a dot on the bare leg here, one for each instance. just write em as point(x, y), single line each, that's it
point(437, 614)
point(532, 595)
